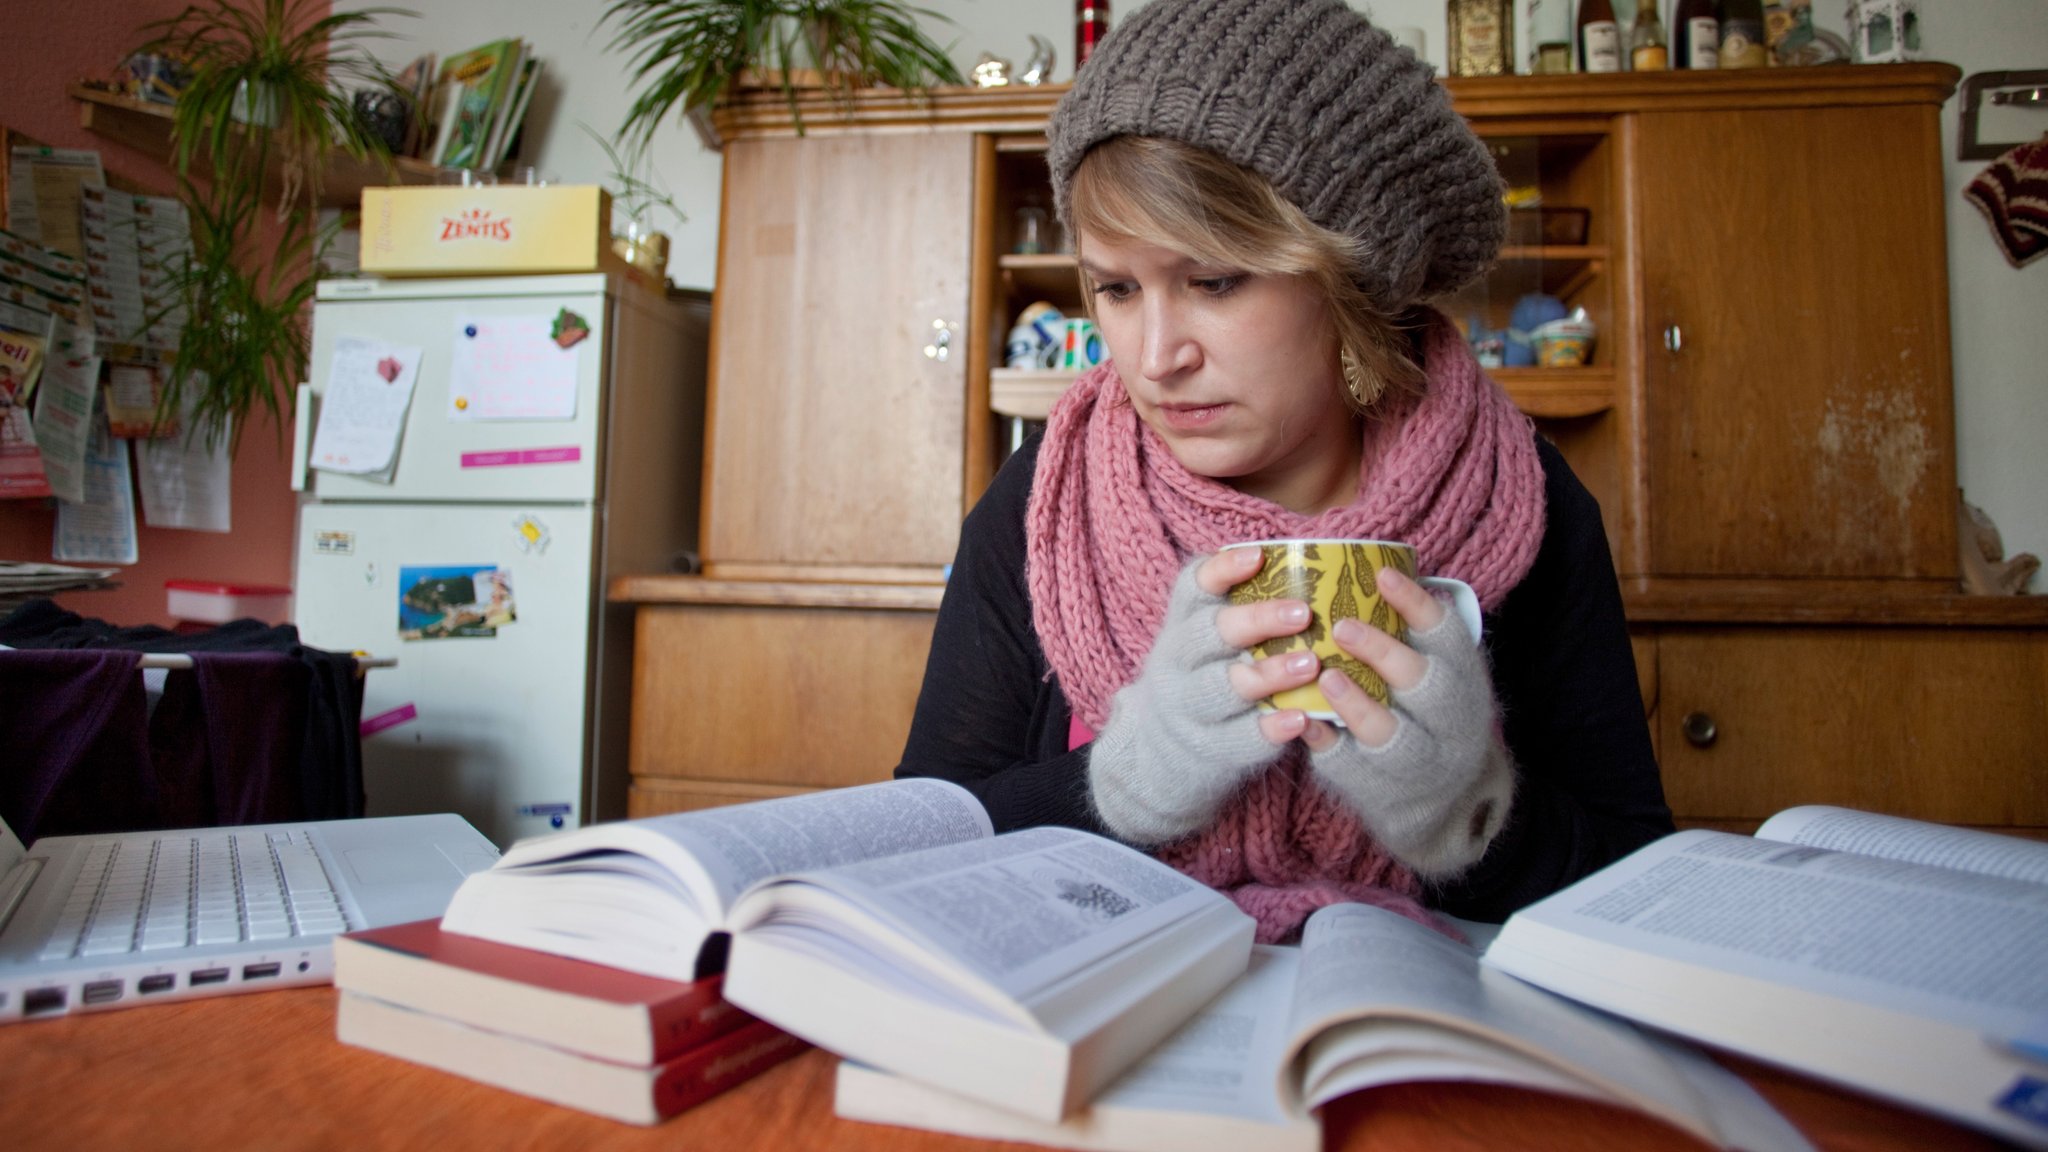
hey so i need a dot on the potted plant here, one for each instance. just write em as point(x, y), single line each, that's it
point(264, 108)
point(688, 53)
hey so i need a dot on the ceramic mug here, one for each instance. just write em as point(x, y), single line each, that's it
point(1338, 579)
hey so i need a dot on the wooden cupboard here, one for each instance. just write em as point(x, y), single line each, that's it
point(1767, 420)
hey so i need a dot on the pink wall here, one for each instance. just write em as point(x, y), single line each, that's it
point(62, 42)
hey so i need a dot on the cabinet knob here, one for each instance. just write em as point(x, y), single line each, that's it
point(941, 347)
point(1674, 339)
point(1700, 729)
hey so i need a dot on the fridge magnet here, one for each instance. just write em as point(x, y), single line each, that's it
point(516, 367)
point(508, 457)
point(454, 600)
point(569, 329)
point(555, 814)
point(529, 534)
point(392, 718)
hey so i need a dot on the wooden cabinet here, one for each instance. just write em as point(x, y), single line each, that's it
point(1766, 420)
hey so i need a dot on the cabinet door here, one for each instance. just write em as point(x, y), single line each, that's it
point(836, 419)
point(1802, 425)
point(1940, 724)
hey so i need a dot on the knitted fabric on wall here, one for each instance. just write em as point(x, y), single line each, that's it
point(2013, 195)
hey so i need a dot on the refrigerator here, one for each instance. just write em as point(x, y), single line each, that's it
point(552, 440)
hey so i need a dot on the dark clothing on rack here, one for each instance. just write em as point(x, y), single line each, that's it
point(992, 718)
point(262, 728)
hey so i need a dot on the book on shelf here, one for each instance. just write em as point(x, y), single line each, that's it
point(477, 83)
point(634, 1093)
point(1369, 998)
point(888, 923)
point(506, 129)
point(589, 1008)
point(1902, 958)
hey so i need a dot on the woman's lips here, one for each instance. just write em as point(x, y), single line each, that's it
point(1190, 417)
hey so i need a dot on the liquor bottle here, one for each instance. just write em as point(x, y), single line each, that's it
point(1647, 50)
point(1695, 35)
point(1742, 34)
point(1091, 24)
point(1599, 37)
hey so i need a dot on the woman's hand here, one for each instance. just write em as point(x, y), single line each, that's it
point(1183, 735)
point(1427, 772)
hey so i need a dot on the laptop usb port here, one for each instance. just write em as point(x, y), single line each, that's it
point(161, 982)
point(102, 992)
point(260, 971)
point(38, 1001)
point(209, 976)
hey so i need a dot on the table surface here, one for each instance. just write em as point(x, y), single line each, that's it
point(264, 1070)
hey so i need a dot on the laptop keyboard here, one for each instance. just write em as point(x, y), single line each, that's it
point(147, 896)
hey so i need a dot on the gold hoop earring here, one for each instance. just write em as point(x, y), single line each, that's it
point(1363, 389)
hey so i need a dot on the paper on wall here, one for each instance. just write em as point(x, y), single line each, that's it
point(64, 422)
point(185, 480)
point(43, 193)
point(101, 530)
point(362, 410)
point(516, 367)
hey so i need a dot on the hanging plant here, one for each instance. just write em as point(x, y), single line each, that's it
point(264, 97)
point(687, 53)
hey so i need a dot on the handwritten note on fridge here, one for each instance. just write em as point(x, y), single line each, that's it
point(516, 367)
point(362, 409)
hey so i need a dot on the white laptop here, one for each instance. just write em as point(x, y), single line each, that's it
point(118, 919)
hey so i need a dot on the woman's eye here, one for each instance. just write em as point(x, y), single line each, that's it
point(1115, 291)
point(1219, 285)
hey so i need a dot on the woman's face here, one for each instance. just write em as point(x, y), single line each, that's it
point(1236, 372)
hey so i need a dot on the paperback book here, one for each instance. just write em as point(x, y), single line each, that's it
point(1369, 998)
point(1898, 957)
point(887, 923)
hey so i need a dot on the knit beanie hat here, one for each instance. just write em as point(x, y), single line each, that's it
point(1350, 127)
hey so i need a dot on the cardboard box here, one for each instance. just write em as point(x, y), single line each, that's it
point(500, 228)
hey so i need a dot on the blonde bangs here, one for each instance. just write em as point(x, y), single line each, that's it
point(1187, 200)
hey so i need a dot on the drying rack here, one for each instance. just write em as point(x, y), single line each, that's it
point(176, 661)
point(2029, 88)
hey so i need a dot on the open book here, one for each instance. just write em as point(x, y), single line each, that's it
point(1903, 958)
point(887, 924)
point(1369, 998)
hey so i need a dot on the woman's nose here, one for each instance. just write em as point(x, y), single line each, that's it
point(1169, 347)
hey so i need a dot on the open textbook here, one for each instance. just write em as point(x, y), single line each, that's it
point(1369, 998)
point(1899, 957)
point(886, 923)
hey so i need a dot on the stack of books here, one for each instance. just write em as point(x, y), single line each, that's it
point(479, 102)
point(620, 1044)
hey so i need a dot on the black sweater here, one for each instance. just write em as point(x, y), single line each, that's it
point(992, 718)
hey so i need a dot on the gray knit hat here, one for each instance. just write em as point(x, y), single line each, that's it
point(1350, 127)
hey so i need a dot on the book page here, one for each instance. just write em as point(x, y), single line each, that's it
point(1382, 999)
point(1953, 946)
point(1897, 838)
point(1016, 914)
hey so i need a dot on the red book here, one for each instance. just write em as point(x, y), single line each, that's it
point(586, 1008)
point(637, 1094)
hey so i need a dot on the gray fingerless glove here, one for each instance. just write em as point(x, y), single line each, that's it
point(1179, 739)
point(1438, 792)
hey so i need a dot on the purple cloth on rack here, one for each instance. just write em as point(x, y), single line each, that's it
point(255, 714)
point(75, 731)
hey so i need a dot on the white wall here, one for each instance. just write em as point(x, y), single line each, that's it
point(1999, 314)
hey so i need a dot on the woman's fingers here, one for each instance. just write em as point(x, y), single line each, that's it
point(1421, 610)
point(1227, 569)
point(1258, 679)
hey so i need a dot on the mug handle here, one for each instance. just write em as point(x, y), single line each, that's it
point(1464, 601)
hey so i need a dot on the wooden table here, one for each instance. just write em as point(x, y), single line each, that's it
point(264, 1071)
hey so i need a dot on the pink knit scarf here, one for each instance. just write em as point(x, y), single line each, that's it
point(1113, 516)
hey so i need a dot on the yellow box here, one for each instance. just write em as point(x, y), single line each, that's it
point(500, 228)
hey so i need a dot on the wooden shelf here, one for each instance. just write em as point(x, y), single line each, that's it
point(1818, 602)
point(1055, 275)
point(1546, 393)
point(146, 127)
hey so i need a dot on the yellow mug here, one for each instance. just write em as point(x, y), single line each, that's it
point(1338, 579)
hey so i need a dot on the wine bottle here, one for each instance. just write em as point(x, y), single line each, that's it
point(1695, 35)
point(1742, 34)
point(1647, 49)
point(1599, 37)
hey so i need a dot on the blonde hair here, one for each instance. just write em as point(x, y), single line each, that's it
point(1152, 190)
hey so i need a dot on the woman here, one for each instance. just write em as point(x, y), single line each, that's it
point(1263, 192)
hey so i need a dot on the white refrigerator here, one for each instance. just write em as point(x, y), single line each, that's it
point(553, 439)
